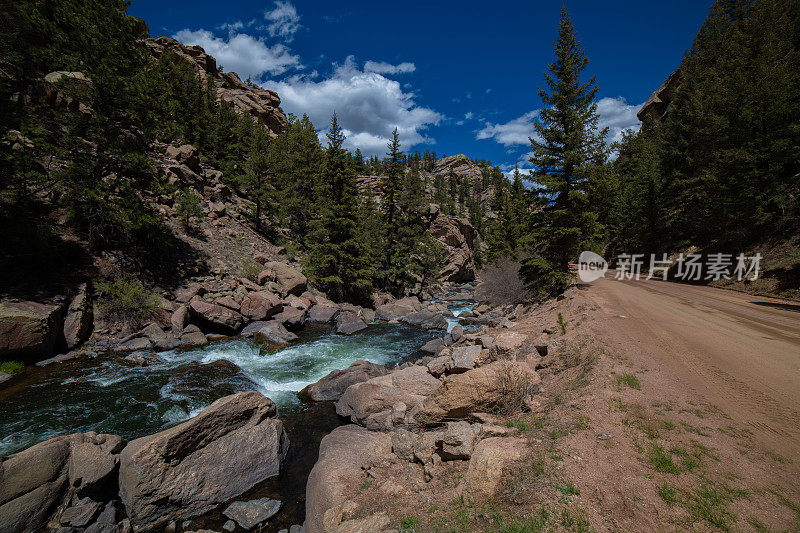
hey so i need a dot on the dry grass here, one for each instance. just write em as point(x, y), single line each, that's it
point(517, 388)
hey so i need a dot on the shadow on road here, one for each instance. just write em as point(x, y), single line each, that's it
point(785, 307)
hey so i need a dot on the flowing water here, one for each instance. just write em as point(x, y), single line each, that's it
point(110, 395)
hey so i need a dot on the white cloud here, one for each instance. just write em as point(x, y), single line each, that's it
point(283, 21)
point(247, 56)
point(381, 67)
point(512, 132)
point(615, 113)
point(468, 115)
point(618, 115)
point(368, 105)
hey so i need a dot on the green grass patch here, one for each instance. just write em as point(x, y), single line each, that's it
point(667, 493)
point(629, 380)
point(11, 367)
point(662, 460)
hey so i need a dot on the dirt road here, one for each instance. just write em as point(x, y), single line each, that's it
point(736, 351)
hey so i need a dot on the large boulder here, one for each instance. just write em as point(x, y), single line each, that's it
point(215, 317)
point(274, 333)
point(322, 314)
point(186, 154)
point(79, 319)
point(491, 458)
point(343, 455)
point(331, 387)
point(397, 309)
point(479, 389)
point(261, 305)
point(189, 469)
point(291, 318)
point(349, 324)
point(35, 481)
point(386, 401)
point(425, 319)
point(29, 328)
point(289, 280)
point(514, 346)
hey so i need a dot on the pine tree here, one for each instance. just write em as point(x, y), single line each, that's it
point(256, 179)
point(337, 258)
point(570, 145)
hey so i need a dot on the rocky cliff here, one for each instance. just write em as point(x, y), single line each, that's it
point(656, 107)
point(245, 97)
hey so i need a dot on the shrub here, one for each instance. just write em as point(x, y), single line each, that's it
point(500, 283)
point(188, 206)
point(516, 389)
point(250, 268)
point(11, 367)
point(125, 300)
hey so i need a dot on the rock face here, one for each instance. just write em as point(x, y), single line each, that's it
point(191, 468)
point(656, 107)
point(246, 98)
point(29, 328)
point(331, 387)
point(456, 235)
point(342, 455)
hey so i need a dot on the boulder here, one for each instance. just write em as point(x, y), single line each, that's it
point(179, 320)
point(343, 455)
point(349, 324)
point(251, 513)
point(458, 440)
point(79, 318)
point(35, 481)
point(29, 328)
point(230, 303)
point(322, 314)
point(439, 365)
point(288, 279)
point(479, 389)
point(192, 336)
point(397, 309)
point(374, 403)
point(425, 320)
point(298, 302)
point(261, 305)
point(215, 317)
point(332, 386)
point(273, 332)
point(514, 346)
point(434, 346)
point(291, 318)
point(189, 469)
point(186, 154)
point(464, 358)
point(490, 459)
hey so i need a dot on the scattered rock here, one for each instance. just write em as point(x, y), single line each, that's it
point(459, 439)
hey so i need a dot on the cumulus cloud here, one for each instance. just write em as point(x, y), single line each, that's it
point(614, 113)
point(381, 67)
point(512, 132)
point(241, 53)
point(368, 105)
point(283, 20)
point(618, 115)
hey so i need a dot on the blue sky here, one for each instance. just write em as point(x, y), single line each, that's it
point(454, 77)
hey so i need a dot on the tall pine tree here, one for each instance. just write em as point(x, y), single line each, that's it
point(567, 145)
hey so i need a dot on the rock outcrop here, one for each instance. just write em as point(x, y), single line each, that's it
point(657, 106)
point(457, 236)
point(331, 387)
point(186, 470)
point(247, 98)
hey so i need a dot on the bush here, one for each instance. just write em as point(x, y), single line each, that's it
point(125, 300)
point(516, 389)
point(500, 283)
point(11, 367)
point(188, 206)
